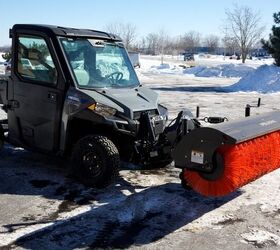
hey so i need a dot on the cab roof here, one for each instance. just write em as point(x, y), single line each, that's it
point(64, 31)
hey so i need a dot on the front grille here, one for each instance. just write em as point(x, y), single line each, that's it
point(137, 114)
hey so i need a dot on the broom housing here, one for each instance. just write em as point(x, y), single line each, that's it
point(219, 159)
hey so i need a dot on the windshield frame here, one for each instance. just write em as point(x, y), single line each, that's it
point(106, 41)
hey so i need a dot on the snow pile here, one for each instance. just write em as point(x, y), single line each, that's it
point(261, 238)
point(161, 66)
point(235, 70)
point(225, 70)
point(166, 69)
point(194, 70)
point(264, 79)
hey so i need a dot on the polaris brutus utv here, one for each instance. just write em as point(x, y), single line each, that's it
point(74, 93)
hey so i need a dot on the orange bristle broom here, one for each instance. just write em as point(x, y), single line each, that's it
point(243, 163)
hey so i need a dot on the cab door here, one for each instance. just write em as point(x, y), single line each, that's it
point(35, 93)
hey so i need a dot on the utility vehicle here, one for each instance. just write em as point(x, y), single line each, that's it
point(74, 93)
point(81, 98)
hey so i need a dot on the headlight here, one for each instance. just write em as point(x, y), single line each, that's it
point(160, 118)
point(102, 109)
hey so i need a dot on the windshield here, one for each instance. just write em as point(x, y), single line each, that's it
point(99, 64)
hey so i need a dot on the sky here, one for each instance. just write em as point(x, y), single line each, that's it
point(174, 17)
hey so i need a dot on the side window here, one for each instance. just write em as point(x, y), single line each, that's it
point(34, 60)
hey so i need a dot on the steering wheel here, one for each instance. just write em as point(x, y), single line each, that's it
point(115, 76)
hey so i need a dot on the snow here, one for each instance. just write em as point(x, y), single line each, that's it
point(206, 60)
point(1, 58)
point(166, 69)
point(264, 79)
point(224, 70)
point(257, 75)
point(261, 238)
point(146, 209)
point(214, 60)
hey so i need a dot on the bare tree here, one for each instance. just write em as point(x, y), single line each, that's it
point(152, 43)
point(142, 44)
point(191, 40)
point(159, 43)
point(163, 42)
point(212, 43)
point(176, 46)
point(231, 45)
point(126, 31)
point(244, 26)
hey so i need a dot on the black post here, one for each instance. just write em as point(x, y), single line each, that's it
point(247, 110)
point(259, 102)
point(197, 112)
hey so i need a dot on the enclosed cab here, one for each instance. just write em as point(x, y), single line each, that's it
point(74, 91)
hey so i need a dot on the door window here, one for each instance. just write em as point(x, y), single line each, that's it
point(35, 62)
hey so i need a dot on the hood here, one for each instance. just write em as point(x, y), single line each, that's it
point(126, 101)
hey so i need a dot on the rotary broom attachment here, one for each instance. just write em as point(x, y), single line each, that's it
point(218, 160)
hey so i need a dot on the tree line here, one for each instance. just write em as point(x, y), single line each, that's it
point(242, 31)
point(159, 42)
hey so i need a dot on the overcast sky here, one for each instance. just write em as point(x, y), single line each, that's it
point(175, 17)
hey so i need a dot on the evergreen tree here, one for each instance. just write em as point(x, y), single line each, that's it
point(273, 44)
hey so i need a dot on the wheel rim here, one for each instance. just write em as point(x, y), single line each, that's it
point(92, 164)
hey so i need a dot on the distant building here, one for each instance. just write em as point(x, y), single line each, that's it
point(228, 52)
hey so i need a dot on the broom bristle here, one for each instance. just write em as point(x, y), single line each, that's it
point(243, 163)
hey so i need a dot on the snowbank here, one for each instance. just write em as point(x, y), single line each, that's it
point(225, 70)
point(264, 79)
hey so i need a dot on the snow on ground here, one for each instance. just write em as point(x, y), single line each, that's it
point(224, 70)
point(41, 208)
point(261, 76)
point(214, 60)
point(202, 59)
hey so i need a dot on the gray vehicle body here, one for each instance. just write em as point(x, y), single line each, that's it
point(53, 118)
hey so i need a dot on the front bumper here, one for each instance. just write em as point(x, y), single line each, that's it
point(147, 124)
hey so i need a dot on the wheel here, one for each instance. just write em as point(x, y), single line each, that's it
point(95, 161)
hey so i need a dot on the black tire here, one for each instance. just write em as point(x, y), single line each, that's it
point(95, 161)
